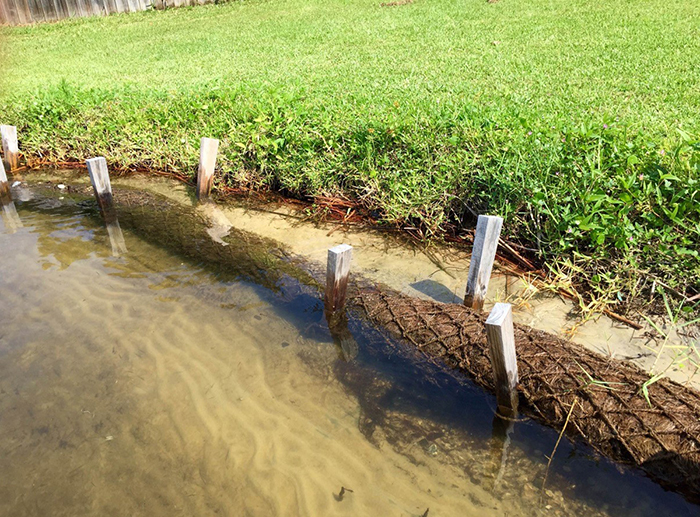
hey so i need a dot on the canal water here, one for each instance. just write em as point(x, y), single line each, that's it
point(141, 376)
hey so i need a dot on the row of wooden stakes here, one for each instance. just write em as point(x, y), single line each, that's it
point(499, 324)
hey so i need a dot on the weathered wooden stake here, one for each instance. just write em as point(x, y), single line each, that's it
point(342, 337)
point(488, 230)
point(99, 176)
point(10, 147)
point(337, 273)
point(501, 339)
point(208, 148)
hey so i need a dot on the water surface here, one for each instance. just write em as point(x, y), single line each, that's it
point(157, 383)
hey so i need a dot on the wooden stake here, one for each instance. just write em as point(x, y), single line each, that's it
point(208, 148)
point(9, 212)
point(501, 339)
point(337, 273)
point(99, 176)
point(342, 337)
point(488, 230)
point(10, 147)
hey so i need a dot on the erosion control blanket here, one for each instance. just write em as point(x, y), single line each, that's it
point(611, 412)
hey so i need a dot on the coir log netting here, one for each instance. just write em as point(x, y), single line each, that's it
point(661, 435)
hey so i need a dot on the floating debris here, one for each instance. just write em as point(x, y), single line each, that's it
point(341, 495)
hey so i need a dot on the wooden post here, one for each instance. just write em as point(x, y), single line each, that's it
point(10, 147)
point(337, 273)
point(501, 339)
point(208, 148)
point(4, 185)
point(99, 176)
point(342, 337)
point(488, 230)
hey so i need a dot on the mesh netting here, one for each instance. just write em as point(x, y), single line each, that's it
point(611, 413)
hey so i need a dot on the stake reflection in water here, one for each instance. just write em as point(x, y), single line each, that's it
point(116, 238)
point(9, 215)
point(9, 212)
point(501, 434)
point(99, 177)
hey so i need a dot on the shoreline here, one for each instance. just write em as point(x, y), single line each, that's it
point(345, 211)
point(437, 273)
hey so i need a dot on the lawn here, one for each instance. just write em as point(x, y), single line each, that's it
point(576, 120)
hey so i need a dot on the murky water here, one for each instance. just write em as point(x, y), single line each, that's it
point(159, 382)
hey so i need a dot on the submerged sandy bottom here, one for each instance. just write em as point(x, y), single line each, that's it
point(439, 273)
point(144, 385)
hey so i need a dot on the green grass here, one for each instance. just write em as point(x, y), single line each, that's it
point(576, 120)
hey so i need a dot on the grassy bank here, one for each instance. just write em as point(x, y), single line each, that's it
point(578, 121)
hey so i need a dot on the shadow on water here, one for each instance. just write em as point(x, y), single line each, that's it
point(423, 410)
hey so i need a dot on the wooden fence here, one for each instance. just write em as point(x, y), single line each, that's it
point(23, 12)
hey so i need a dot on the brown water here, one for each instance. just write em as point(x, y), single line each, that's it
point(151, 383)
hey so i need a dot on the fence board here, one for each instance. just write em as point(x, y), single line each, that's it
point(61, 9)
point(50, 10)
point(8, 10)
point(23, 12)
point(35, 10)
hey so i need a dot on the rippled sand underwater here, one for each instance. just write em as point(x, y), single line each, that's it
point(146, 385)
